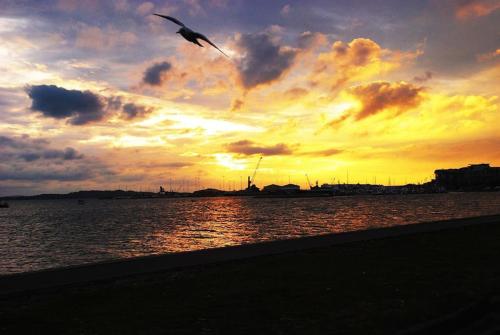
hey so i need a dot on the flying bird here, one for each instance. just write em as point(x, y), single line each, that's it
point(190, 35)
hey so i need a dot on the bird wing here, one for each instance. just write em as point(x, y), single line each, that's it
point(173, 19)
point(203, 37)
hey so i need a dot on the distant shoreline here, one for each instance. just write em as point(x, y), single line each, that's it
point(132, 195)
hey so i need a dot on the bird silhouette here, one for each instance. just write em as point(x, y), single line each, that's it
point(190, 35)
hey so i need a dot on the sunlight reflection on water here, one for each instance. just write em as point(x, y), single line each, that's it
point(43, 234)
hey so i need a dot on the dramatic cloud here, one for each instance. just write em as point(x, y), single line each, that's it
point(263, 60)
point(23, 158)
point(376, 97)
point(361, 58)
point(359, 52)
point(246, 147)
point(80, 107)
point(29, 150)
point(127, 110)
point(131, 111)
point(154, 74)
point(470, 9)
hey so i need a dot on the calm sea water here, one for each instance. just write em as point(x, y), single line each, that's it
point(44, 234)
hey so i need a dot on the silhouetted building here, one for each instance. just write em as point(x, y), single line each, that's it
point(287, 189)
point(473, 177)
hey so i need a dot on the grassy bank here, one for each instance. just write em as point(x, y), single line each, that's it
point(373, 287)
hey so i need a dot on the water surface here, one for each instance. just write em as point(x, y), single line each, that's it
point(44, 234)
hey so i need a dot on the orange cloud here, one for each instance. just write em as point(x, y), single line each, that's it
point(380, 96)
point(360, 59)
point(471, 9)
point(246, 147)
point(324, 153)
point(236, 105)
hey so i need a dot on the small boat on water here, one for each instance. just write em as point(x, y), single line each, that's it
point(4, 205)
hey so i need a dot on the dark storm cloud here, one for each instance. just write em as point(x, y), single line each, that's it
point(79, 107)
point(263, 59)
point(246, 147)
point(154, 74)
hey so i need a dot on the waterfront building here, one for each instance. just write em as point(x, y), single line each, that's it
point(472, 177)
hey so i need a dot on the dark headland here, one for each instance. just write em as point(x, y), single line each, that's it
point(428, 280)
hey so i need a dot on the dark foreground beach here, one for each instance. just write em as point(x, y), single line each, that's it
point(439, 278)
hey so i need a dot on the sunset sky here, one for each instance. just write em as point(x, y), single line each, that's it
point(104, 95)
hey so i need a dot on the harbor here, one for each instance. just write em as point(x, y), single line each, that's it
point(473, 178)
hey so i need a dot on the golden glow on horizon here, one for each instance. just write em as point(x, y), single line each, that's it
point(227, 161)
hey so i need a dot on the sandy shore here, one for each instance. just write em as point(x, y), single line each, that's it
point(434, 278)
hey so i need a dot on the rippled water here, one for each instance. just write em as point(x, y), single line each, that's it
point(43, 234)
